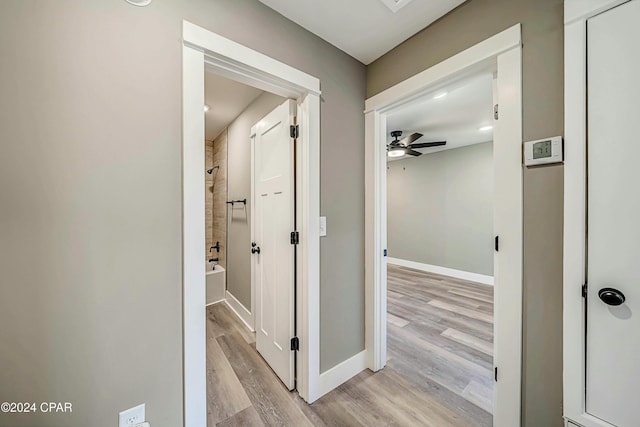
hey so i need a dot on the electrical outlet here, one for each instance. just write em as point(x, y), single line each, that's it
point(323, 226)
point(132, 416)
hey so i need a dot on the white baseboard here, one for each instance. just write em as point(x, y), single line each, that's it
point(240, 310)
point(214, 302)
point(458, 274)
point(342, 372)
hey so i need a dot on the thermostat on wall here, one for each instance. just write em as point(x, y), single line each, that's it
point(543, 151)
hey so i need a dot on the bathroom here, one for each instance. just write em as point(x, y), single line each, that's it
point(230, 110)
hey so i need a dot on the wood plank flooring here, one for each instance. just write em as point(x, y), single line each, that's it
point(438, 373)
point(441, 337)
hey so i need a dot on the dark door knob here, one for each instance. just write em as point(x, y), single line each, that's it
point(611, 296)
point(255, 249)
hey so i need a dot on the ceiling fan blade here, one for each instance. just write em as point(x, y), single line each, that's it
point(410, 152)
point(427, 144)
point(408, 140)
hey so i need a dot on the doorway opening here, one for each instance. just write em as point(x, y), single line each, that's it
point(440, 244)
point(501, 55)
point(249, 215)
point(249, 212)
point(258, 82)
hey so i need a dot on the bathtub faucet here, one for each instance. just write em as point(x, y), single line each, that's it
point(213, 259)
point(216, 247)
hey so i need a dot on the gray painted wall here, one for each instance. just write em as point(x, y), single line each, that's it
point(239, 187)
point(90, 184)
point(440, 209)
point(543, 114)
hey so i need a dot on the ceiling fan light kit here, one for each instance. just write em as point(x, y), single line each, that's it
point(399, 148)
point(396, 152)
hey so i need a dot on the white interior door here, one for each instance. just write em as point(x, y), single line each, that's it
point(273, 253)
point(613, 237)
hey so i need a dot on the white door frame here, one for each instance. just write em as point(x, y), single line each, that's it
point(204, 48)
point(504, 51)
point(576, 14)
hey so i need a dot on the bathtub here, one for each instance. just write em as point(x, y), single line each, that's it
point(215, 284)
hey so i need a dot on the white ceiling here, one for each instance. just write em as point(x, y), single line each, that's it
point(227, 100)
point(365, 29)
point(455, 118)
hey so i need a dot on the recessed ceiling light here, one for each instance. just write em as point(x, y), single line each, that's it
point(485, 128)
point(396, 152)
point(206, 108)
point(440, 95)
point(139, 2)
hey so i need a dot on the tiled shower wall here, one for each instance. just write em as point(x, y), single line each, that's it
point(216, 198)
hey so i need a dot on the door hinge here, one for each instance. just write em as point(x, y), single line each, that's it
point(495, 373)
point(295, 237)
point(295, 344)
point(584, 290)
point(495, 112)
point(294, 131)
point(497, 243)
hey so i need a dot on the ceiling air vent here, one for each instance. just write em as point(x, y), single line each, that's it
point(395, 5)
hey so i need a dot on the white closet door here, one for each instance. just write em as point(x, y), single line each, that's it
point(613, 237)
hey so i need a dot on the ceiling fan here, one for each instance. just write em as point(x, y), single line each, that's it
point(398, 148)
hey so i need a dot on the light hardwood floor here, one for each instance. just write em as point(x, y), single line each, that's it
point(440, 336)
point(438, 373)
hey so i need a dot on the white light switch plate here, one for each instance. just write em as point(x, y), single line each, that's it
point(132, 416)
point(323, 226)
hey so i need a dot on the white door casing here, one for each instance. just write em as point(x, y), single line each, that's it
point(613, 210)
point(273, 254)
point(203, 48)
point(508, 226)
point(503, 51)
